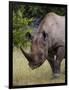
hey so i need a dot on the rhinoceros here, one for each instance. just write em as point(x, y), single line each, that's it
point(48, 43)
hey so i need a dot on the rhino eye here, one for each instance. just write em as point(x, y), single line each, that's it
point(45, 35)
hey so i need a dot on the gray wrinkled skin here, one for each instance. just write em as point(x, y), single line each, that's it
point(49, 43)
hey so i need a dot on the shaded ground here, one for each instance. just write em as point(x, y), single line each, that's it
point(23, 75)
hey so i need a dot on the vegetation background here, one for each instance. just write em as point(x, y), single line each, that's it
point(26, 18)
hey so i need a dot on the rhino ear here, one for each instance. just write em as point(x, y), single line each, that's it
point(45, 35)
point(28, 35)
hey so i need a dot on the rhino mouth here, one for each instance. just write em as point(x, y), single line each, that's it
point(34, 66)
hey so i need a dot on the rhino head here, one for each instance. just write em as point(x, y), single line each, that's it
point(39, 49)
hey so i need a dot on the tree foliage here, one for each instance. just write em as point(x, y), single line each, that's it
point(20, 27)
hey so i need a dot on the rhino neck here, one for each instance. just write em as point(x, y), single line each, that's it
point(28, 56)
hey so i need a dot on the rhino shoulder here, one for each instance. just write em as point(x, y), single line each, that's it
point(46, 22)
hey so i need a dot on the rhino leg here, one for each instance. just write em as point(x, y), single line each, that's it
point(54, 66)
point(59, 57)
point(56, 70)
point(57, 61)
point(50, 60)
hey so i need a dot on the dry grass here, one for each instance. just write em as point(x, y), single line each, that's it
point(23, 75)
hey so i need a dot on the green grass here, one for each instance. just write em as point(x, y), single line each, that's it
point(23, 75)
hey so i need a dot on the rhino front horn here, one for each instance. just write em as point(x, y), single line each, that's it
point(28, 56)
